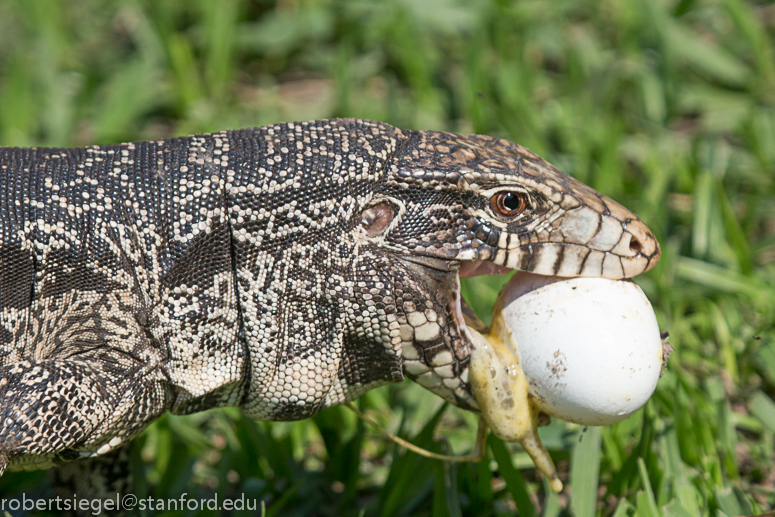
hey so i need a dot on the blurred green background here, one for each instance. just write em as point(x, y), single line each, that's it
point(667, 106)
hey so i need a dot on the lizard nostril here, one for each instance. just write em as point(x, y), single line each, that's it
point(635, 245)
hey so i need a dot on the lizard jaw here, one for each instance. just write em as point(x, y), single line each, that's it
point(465, 318)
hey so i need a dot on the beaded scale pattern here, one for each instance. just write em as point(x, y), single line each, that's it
point(281, 269)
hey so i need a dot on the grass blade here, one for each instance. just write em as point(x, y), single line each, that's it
point(732, 501)
point(584, 472)
point(674, 509)
point(762, 407)
point(721, 279)
point(647, 505)
point(513, 478)
point(552, 506)
point(410, 475)
point(446, 500)
point(624, 509)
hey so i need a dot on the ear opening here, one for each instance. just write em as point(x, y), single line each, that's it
point(376, 219)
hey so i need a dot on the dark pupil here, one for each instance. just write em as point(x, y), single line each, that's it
point(511, 201)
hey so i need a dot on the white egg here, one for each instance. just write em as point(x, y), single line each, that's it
point(590, 348)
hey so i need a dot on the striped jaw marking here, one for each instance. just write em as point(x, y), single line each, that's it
point(484, 206)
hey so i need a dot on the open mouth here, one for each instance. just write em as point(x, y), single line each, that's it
point(464, 315)
point(441, 364)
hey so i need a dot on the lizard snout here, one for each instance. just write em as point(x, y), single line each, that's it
point(611, 242)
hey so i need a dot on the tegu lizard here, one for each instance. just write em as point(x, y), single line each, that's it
point(281, 269)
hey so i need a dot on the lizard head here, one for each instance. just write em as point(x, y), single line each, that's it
point(456, 206)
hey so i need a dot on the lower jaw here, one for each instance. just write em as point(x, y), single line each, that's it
point(469, 326)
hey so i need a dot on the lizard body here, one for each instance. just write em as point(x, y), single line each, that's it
point(281, 269)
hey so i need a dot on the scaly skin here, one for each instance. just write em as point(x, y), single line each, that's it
point(282, 269)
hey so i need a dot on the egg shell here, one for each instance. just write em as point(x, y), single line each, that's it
point(589, 347)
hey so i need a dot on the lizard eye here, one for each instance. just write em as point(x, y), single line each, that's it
point(508, 204)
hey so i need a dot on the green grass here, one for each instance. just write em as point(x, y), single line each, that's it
point(667, 106)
